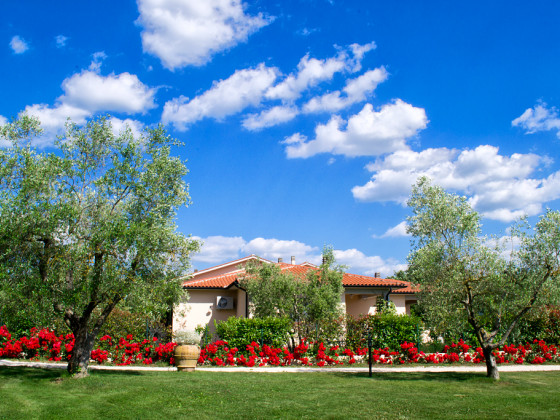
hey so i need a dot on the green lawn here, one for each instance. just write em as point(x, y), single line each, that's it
point(37, 393)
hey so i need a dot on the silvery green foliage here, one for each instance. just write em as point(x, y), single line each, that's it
point(186, 337)
point(91, 223)
point(475, 283)
point(307, 301)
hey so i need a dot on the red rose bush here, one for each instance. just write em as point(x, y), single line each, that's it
point(45, 344)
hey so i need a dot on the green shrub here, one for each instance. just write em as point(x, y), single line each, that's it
point(121, 323)
point(387, 330)
point(239, 332)
point(543, 324)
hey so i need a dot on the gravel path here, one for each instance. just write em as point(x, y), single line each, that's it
point(431, 368)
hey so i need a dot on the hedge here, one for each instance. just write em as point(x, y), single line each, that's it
point(241, 332)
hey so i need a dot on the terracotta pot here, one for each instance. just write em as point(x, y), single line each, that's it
point(186, 357)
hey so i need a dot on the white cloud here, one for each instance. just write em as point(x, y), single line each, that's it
point(115, 93)
point(359, 263)
point(397, 231)
point(54, 118)
point(227, 97)
point(498, 186)
point(254, 86)
point(356, 90)
point(97, 59)
point(221, 249)
point(60, 41)
point(269, 117)
point(119, 126)
point(190, 32)
point(539, 118)
point(368, 133)
point(18, 45)
point(312, 71)
point(275, 248)
point(87, 93)
point(358, 52)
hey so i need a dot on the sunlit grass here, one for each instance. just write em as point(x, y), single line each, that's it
point(38, 393)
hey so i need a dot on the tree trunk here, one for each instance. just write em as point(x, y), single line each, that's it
point(491, 366)
point(81, 353)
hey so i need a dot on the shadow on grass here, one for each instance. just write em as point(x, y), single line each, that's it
point(117, 373)
point(11, 372)
point(30, 373)
point(418, 376)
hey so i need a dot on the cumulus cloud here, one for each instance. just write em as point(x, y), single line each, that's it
point(500, 187)
point(227, 97)
point(356, 90)
point(539, 118)
point(254, 87)
point(397, 231)
point(119, 126)
point(190, 32)
point(359, 263)
point(368, 133)
point(87, 93)
point(220, 249)
point(275, 248)
point(312, 71)
point(18, 45)
point(115, 93)
point(270, 117)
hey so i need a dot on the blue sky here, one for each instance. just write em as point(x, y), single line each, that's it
point(306, 122)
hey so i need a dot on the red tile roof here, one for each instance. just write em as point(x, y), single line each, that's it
point(408, 290)
point(219, 282)
point(227, 280)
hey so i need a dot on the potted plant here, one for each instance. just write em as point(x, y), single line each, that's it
point(187, 351)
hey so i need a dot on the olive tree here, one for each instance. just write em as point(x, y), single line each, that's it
point(90, 224)
point(308, 300)
point(469, 280)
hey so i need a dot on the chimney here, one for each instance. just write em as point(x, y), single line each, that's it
point(280, 259)
point(377, 275)
point(196, 270)
point(293, 260)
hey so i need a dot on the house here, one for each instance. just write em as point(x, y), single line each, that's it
point(215, 294)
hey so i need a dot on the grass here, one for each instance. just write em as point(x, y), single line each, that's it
point(39, 393)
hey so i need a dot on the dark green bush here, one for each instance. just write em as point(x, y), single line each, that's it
point(386, 329)
point(542, 324)
point(239, 332)
point(121, 323)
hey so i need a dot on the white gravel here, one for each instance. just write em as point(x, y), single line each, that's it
point(376, 369)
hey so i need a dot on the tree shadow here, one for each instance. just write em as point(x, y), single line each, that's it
point(419, 376)
point(117, 373)
point(30, 373)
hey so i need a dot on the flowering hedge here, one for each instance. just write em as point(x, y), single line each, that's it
point(45, 343)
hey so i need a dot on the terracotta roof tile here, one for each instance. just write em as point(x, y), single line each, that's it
point(218, 282)
point(300, 270)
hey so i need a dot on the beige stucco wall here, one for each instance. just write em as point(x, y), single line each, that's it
point(200, 309)
point(360, 305)
point(400, 303)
